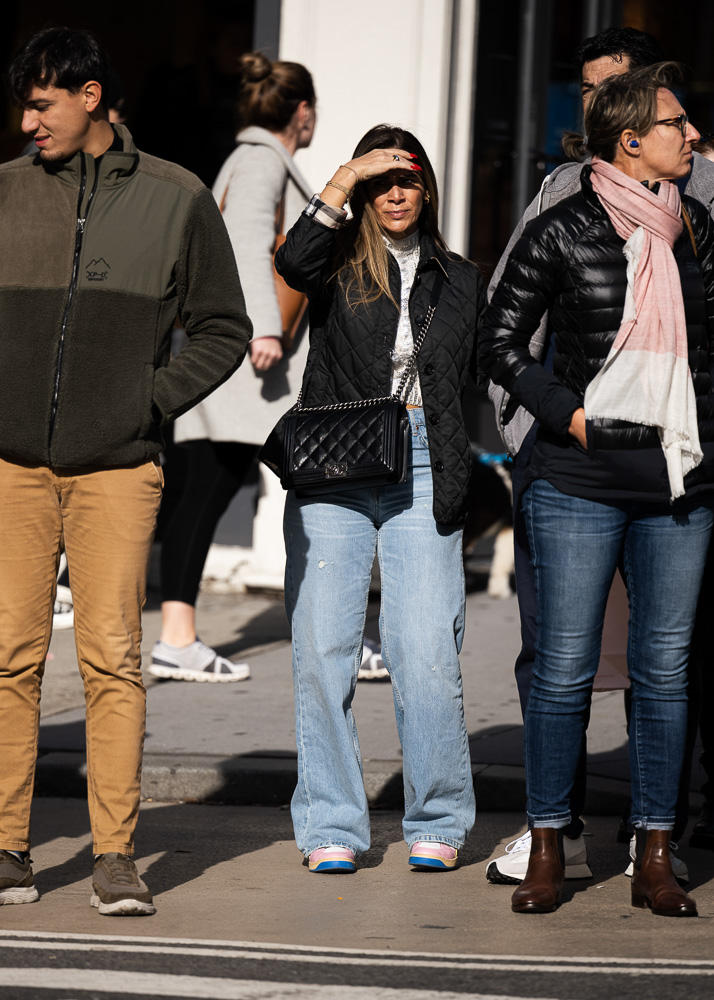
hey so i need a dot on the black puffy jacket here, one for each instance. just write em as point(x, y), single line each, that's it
point(350, 348)
point(570, 262)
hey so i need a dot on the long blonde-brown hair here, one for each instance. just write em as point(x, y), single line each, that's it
point(362, 260)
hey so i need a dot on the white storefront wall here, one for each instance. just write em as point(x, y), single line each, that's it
point(405, 62)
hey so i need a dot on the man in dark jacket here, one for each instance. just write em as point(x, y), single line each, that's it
point(613, 51)
point(101, 247)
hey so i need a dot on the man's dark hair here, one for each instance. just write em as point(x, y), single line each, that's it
point(65, 58)
point(641, 49)
point(625, 101)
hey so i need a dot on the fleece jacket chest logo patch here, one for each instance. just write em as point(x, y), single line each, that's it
point(98, 270)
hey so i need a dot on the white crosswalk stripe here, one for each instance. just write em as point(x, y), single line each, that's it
point(127, 966)
point(208, 988)
point(217, 948)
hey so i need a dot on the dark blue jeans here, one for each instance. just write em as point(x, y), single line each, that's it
point(575, 547)
point(528, 611)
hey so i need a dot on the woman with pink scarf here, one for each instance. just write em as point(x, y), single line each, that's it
point(622, 472)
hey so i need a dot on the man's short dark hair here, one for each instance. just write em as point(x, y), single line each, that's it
point(641, 49)
point(65, 58)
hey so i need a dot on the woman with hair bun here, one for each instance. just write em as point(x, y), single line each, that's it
point(258, 188)
point(377, 284)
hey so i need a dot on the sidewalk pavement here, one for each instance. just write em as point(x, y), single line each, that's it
point(235, 743)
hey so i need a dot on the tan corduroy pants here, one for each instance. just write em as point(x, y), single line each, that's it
point(104, 519)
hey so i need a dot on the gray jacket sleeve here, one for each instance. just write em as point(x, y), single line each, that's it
point(701, 181)
point(252, 198)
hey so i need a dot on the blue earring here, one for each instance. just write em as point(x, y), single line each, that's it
point(634, 143)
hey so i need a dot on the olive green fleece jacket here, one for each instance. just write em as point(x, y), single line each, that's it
point(95, 264)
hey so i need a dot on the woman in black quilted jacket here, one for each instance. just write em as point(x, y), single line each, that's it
point(623, 468)
point(370, 282)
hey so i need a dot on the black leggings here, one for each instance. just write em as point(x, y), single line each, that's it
point(215, 472)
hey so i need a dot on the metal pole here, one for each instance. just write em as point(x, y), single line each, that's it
point(591, 18)
point(601, 14)
point(522, 148)
point(455, 201)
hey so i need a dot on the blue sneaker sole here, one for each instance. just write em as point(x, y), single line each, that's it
point(335, 867)
point(434, 863)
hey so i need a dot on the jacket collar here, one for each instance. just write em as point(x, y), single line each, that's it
point(432, 257)
point(591, 196)
point(586, 183)
point(256, 136)
point(115, 168)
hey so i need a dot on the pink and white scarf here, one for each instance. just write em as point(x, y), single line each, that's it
point(646, 377)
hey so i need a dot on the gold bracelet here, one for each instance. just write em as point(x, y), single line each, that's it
point(333, 184)
point(345, 167)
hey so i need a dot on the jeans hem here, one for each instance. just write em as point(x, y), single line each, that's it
point(449, 841)
point(549, 822)
point(330, 843)
point(656, 823)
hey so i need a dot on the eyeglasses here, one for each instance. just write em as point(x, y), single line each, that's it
point(679, 121)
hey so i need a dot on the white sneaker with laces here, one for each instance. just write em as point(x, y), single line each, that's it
point(679, 868)
point(511, 867)
point(196, 662)
point(372, 666)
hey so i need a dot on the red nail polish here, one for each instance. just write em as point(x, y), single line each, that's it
point(415, 166)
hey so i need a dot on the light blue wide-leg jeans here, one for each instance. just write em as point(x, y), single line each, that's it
point(331, 543)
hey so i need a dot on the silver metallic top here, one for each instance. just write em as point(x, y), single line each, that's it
point(406, 254)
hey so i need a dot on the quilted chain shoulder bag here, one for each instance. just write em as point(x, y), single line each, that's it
point(347, 446)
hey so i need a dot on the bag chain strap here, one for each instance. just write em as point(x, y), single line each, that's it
point(396, 396)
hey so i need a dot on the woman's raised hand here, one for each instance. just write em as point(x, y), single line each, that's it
point(379, 161)
point(363, 168)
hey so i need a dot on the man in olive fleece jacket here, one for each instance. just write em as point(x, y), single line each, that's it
point(101, 247)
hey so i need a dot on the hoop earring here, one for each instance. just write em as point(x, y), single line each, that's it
point(427, 197)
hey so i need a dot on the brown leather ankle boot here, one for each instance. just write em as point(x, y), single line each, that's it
point(539, 892)
point(653, 883)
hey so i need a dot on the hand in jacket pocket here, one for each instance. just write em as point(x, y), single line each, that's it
point(577, 427)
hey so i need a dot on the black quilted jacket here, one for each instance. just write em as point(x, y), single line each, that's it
point(570, 262)
point(349, 357)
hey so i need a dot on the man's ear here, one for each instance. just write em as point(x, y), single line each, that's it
point(92, 92)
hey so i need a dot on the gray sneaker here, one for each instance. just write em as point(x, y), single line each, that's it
point(372, 666)
point(197, 662)
point(118, 890)
point(17, 883)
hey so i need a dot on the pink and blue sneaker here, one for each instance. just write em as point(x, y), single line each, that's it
point(332, 860)
point(427, 855)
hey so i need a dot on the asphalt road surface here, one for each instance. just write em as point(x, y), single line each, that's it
point(240, 917)
point(39, 966)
